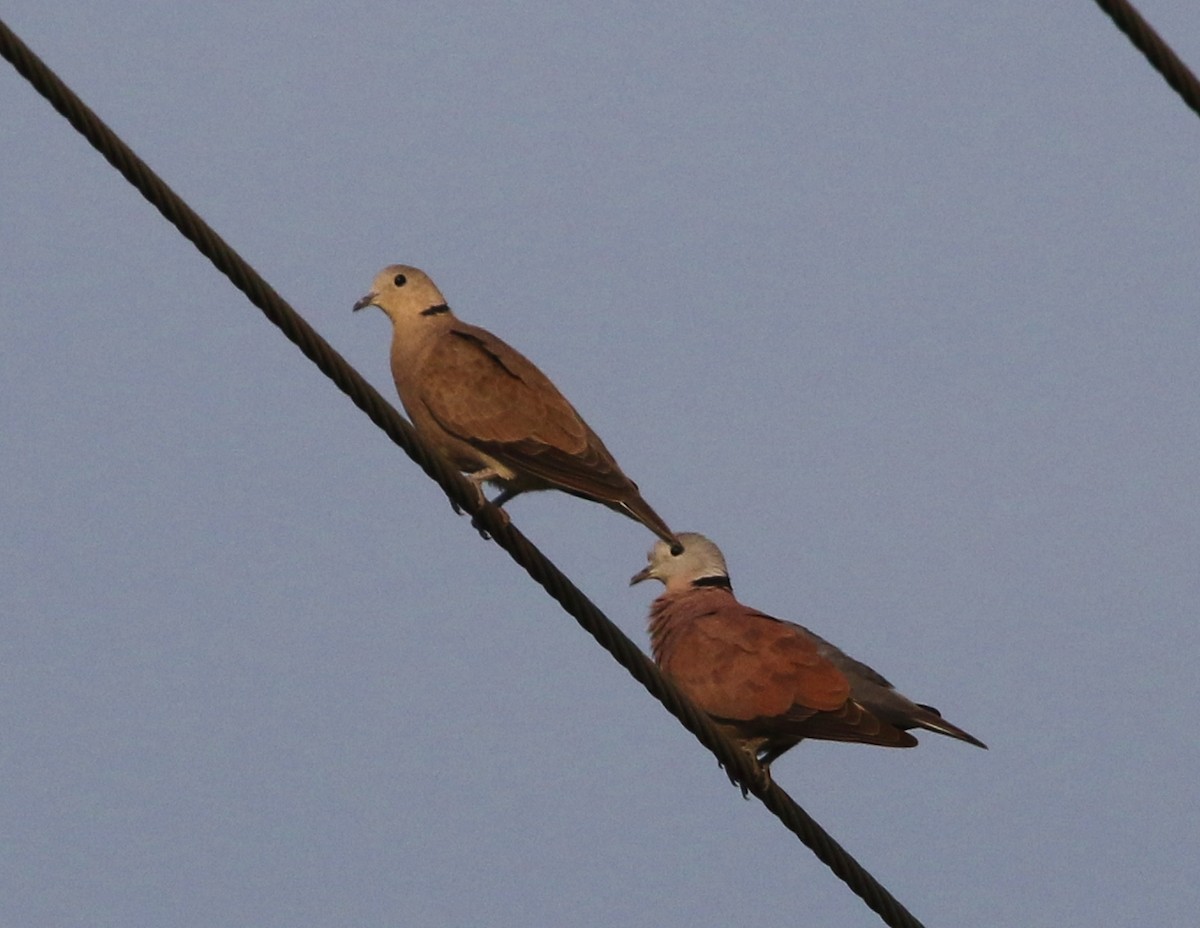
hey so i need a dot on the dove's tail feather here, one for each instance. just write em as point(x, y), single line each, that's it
point(639, 510)
point(929, 718)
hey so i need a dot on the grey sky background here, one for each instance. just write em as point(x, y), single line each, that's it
point(896, 302)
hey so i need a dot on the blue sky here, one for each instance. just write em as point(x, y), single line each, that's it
point(894, 302)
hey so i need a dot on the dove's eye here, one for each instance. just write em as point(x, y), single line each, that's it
point(399, 280)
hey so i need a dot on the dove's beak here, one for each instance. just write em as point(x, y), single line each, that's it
point(368, 300)
point(644, 574)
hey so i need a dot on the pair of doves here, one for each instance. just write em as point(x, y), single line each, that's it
point(486, 408)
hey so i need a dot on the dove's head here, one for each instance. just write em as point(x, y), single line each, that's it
point(700, 560)
point(406, 294)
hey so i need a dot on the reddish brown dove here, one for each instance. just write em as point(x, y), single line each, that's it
point(767, 683)
point(486, 408)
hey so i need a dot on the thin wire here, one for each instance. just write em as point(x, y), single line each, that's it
point(1157, 52)
point(739, 765)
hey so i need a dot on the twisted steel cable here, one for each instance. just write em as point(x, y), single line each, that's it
point(1160, 55)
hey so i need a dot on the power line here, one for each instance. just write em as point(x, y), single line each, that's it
point(737, 763)
point(1157, 52)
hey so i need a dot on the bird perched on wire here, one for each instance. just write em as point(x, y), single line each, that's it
point(488, 410)
point(767, 683)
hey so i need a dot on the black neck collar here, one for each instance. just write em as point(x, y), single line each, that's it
point(721, 583)
point(436, 310)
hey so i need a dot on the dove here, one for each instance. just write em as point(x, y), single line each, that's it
point(488, 410)
point(767, 683)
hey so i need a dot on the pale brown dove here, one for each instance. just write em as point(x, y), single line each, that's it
point(487, 409)
point(767, 683)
